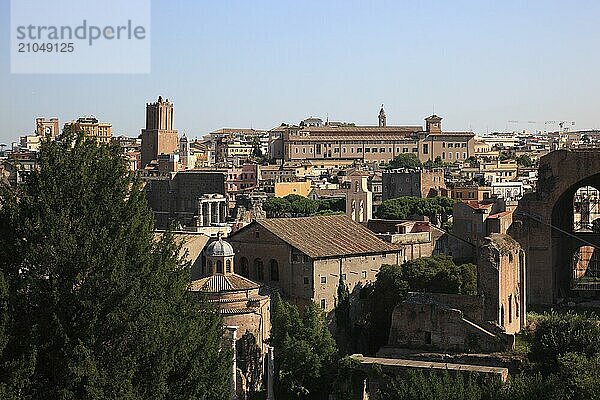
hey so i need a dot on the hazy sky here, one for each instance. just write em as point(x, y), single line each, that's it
point(260, 63)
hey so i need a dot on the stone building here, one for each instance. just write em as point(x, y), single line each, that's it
point(47, 127)
point(359, 199)
point(348, 143)
point(246, 311)
point(550, 226)
point(417, 183)
point(305, 257)
point(485, 322)
point(177, 198)
point(158, 137)
point(91, 128)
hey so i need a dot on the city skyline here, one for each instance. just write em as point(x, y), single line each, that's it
point(258, 65)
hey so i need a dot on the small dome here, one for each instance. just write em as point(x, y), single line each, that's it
point(219, 248)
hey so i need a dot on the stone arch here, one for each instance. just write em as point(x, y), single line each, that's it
point(545, 221)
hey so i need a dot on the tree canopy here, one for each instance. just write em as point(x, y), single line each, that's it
point(405, 160)
point(299, 206)
point(437, 274)
point(91, 305)
point(305, 352)
point(435, 208)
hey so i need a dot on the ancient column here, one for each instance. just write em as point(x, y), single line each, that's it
point(200, 212)
point(270, 359)
point(209, 207)
point(218, 211)
point(232, 333)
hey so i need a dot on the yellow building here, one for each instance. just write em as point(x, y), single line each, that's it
point(282, 189)
point(91, 128)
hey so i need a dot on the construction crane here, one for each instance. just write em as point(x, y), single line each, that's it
point(563, 126)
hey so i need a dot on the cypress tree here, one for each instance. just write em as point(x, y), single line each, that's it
point(97, 307)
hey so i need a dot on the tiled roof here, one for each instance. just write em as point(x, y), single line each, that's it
point(478, 205)
point(326, 236)
point(222, 283)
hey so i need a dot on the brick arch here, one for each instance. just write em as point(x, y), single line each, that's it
point(545, 221)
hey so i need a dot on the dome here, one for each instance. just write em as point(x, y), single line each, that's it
point(219, 248)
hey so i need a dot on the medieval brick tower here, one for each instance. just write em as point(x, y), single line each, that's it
point(159, 137)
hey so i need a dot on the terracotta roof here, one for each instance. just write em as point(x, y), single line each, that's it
point(478, 205)
point(501, 214)
point(360, 129)
point(326, 236)
point(222, 283)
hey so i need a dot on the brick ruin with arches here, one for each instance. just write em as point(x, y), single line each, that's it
point(558, 226)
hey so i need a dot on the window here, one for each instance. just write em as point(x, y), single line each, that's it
point(374, 149)
point(415, 149)
point(274, 272)
point(344, 277)
point(343, 149)
point(228, 266)
point(465, 155)
point(450, 145)
point(450, 155)
point(323, 279)
point(457, 155)
point(359, 150)
point(464, 145)
point(367, 150)
point(364, 274)
point(425, 148)
point(382, 150)
point(306, 281)
point(259, 269)
point(244, 267)
point(427, 337)
point(257, 234)
point(443, 155)
point(323, 304)
point(405, 149)
point(443, 144)
point(219, 267)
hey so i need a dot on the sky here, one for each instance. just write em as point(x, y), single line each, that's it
point(478, 64)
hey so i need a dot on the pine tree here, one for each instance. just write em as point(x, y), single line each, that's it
point(97, 307)
point(342, 318)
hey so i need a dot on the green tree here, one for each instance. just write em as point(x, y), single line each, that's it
point(342, 317)
point(557, 334)
point(276, 207)
point(305, 352)
point(99, 309)
point(405, 160)
point(301, 206)
point(435, 208)
point(525, 160)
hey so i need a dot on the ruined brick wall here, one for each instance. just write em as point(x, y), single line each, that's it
point(500, 279)
point(436, 327)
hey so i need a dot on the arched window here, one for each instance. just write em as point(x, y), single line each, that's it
point(219, 267)
point(586, 210)
point(259, 269)
point(244, 269)
point(210, 267)
point(228, 266)
point(501, 314)
point(274, 271)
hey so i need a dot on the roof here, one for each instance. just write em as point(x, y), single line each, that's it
point(222, 283)
point(192, 244)
point(219, 248)
point(325, 236)
point(478, 205)
point(501, 214)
